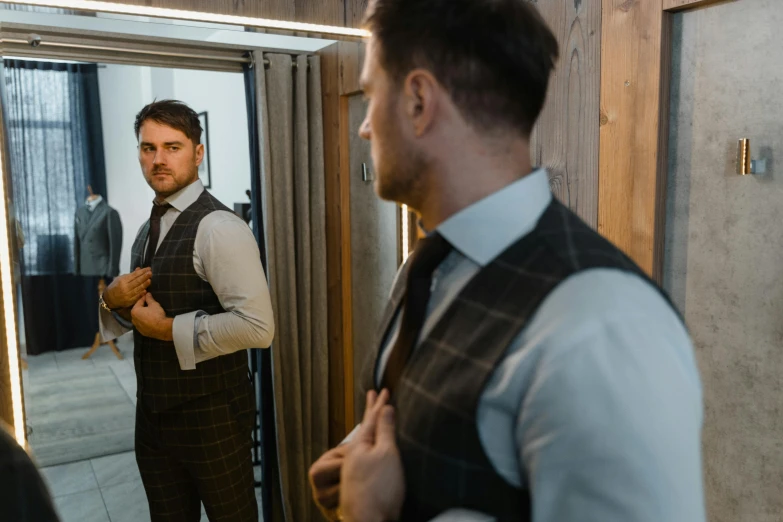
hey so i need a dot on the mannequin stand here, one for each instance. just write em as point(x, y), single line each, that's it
point(97, 343)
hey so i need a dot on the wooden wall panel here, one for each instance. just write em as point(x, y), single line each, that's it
point(566, 137)
point(678, 5)
point(330, 86)
point(328, 12)
point(354, 12)
point(351, 61)
point(629, 187)
point(340, 69)
point(232, 7)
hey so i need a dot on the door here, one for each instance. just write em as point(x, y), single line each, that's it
point(724, 244)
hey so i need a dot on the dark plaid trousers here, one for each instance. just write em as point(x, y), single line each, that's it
point(199, 452)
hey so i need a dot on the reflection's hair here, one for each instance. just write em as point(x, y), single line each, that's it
point(174, 114)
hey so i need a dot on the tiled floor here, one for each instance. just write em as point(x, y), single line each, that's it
point(41, 365)
point(107, 489)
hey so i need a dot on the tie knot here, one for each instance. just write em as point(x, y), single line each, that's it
point(159, 210)
point(430, 252)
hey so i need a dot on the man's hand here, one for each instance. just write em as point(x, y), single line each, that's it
point(325, 481)
point(150, 319)
point(127, 289)
point(372, 487)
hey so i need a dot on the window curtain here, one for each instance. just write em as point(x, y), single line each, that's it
point(56, 144)
point(289, 117)
point(35, 9)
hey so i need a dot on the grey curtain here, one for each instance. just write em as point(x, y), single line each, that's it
point(292, 164)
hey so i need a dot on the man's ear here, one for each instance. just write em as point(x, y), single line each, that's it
point(199, 154)
point(421, 92)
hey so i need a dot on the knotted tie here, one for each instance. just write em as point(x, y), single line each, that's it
point(152, 245)
point(428, 254)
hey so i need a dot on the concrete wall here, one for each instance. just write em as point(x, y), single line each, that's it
point(724, 245)
point(125, 89)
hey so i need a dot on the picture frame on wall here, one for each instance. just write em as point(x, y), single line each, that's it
point(204, 172)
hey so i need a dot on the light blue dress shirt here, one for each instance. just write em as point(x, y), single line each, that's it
point(597, 408)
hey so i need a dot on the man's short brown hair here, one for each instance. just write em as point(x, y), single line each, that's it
point(174, 114)
point(494, 57)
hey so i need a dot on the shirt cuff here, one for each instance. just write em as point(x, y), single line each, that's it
point(463, 515)
point(111, 325)
point(348, 438)
point(185, 333)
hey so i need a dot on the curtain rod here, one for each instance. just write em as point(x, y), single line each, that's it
point(267, 63)
point(133, 51)
point(246, 59)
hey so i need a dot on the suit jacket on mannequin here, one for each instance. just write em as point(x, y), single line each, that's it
point(98, 240)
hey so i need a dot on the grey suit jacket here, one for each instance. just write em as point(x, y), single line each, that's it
point(97, 241)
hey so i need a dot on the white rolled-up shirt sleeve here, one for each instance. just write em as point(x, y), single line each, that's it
point(227, 256)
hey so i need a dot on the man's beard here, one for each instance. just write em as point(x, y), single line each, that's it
point(401, 177)
point(172, 183)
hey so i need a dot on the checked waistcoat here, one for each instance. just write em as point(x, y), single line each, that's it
point(162, 385)
point(438, 394)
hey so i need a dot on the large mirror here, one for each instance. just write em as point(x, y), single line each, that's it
point(84, 166)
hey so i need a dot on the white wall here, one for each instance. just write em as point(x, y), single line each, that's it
point(222, 95)
point(125, 89)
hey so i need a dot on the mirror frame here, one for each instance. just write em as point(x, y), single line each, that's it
point(341, 66)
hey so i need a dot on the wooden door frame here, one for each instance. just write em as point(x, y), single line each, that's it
point(340, 69)
point(634, 124)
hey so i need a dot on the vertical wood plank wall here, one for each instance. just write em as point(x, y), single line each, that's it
point(328, 12)
point(566, 137)
point(629, 188)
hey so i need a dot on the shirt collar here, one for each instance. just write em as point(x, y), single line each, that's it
point(487, 228)
point(186, 196)
point(94, 203)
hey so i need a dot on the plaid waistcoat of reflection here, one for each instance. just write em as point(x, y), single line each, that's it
point(178, 288)
point(437, 399)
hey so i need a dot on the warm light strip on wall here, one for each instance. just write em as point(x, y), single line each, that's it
point(9, 309)
point(406, 239)
point(193, 16)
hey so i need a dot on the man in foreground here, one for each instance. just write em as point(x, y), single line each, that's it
point(24, 496)
point(535, 372)
point(197, 300)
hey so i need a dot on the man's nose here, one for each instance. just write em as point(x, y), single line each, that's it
point(159, 159)
point(364, 130)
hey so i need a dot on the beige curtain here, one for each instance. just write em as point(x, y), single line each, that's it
point(292, 162)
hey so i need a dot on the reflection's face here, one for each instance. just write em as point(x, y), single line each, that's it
point(169, 160)
point(395, 154)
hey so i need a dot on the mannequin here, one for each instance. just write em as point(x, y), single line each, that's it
point(98, 238)
point(97, 248)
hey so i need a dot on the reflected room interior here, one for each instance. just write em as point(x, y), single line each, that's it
point(79, 200)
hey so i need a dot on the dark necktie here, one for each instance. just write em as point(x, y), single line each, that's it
point(152, 244)
point(428, 254)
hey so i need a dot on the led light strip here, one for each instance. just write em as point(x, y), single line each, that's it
point(194, 16)
point(406, 239)
point(9, 310)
